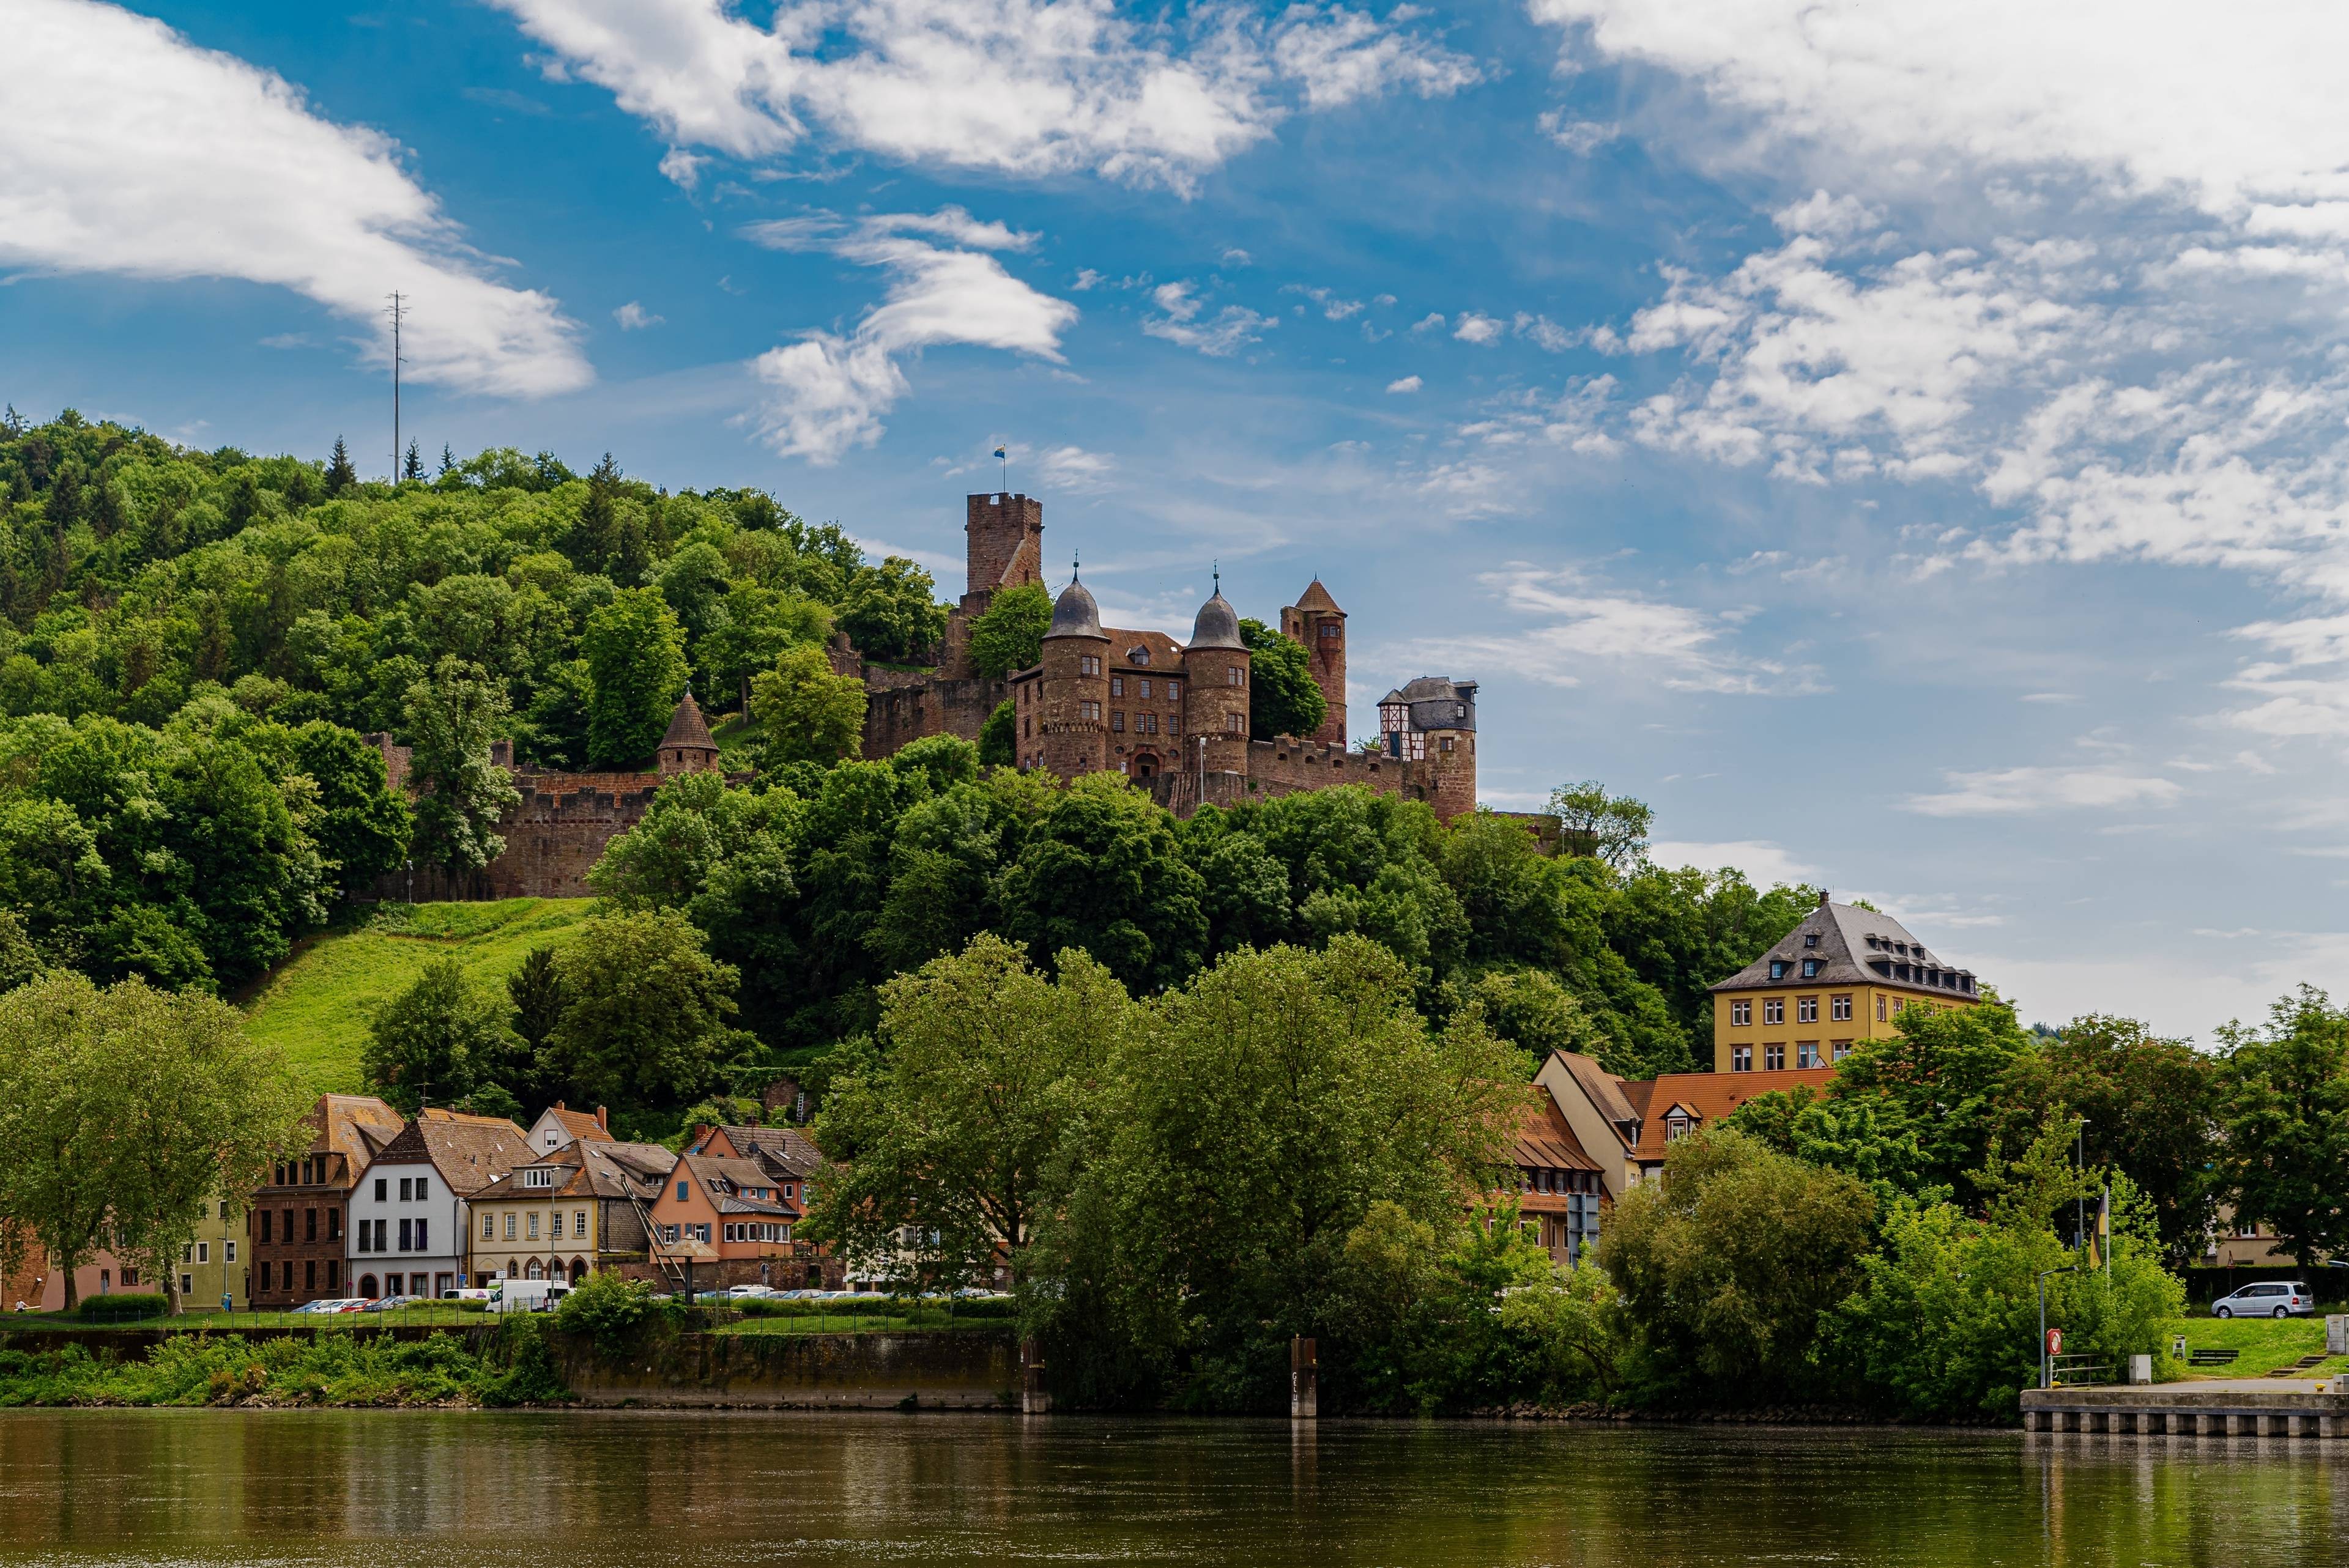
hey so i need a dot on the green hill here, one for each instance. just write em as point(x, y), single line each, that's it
point(316, 1003)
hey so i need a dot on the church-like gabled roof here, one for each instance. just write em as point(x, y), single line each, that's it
point(1316, 600)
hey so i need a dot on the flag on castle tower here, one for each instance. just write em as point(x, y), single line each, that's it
point(999, 452)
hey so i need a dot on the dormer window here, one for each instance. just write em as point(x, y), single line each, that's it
point(1676, 1126)
point(538, 1176)
point(1812, 940)
point(1777, 969)
point(1137, 656)
point(1810, 967)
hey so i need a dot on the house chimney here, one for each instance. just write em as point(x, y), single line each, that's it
point(1823, 898)
point(560, 1106)
point(603, 1118)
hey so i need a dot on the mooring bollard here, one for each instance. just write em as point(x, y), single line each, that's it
point(1304, 1379)
point(1034, 1400)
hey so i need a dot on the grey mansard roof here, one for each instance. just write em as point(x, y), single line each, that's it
point(1854, 947)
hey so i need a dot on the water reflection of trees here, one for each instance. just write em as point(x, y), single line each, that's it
point(609, 1489)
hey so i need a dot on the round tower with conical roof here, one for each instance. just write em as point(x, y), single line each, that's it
point(1215, 671)
point(1070, 734)
point(688, 747)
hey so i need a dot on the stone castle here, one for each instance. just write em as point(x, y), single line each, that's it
point(1172, 716)
point(563, 822)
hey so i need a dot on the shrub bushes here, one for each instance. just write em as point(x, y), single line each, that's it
point(120, 1308)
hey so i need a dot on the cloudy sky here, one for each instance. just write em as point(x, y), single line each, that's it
point(1905, 445)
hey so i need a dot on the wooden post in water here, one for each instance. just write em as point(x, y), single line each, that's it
point(1304, 1379)
point(1034, 1399)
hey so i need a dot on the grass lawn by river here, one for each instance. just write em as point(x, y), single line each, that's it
point(2264, 1343)
point(316, 1005)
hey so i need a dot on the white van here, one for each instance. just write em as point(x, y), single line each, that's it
point(527, 1294)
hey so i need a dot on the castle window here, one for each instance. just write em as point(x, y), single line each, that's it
point(1174, 690)
point(1089, 710)
point(1117, 722)
point(1446, 743)
point(1148, 723)
point(1145, 686)
point(1117, 685)
point(1232, 675)
point(1330, 631)
point(1231, 723)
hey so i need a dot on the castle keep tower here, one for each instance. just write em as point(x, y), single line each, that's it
point(1316, 621)
point(1003, 546)
point(688, 747)
point(1215, 712)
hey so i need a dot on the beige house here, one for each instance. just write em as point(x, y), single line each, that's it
point(582, 1207)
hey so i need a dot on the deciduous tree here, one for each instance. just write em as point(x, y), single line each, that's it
point(635, 660)
point(2283, 1107)
point(1009, 633)
point(1283, 697)
point(806, 713)
point(438, 1040)
point(451, 716)
point(646, 1011)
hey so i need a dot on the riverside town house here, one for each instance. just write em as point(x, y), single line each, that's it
point(407, 1211)
point(1842, 976)
point(296, 1223)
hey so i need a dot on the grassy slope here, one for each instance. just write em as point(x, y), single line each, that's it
point(316, 1003)
point(2265, 1343)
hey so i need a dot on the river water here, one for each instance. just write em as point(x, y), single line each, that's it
point(601, 1490)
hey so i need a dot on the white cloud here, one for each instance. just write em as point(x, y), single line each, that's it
point(1545, 333)
point(1481, 330)
point(830, 390)
point(1432, 322)
point(2132, 329)
point(1019, 87)
point(1765, 864)
point(1404, 383)
point(1221, 336)
point(1074, 469)
point(135, 153)
point(1579, 137)
point(633, 317)
point(2017, 791)
point(1574, 626)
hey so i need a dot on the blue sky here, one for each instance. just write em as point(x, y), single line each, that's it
point(1907, 449)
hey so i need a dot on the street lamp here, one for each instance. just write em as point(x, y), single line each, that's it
point(2046, 1362)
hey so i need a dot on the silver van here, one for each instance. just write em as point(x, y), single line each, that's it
point(2273, 1299)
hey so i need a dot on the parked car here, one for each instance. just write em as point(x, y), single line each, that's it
point(750, 1293)
point(391, 1303)
point(329, 1303)
point(2271, 1299)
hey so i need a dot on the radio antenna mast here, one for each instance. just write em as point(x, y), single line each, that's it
point(398, 312)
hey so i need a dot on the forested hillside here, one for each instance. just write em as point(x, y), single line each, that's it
point(194, 642)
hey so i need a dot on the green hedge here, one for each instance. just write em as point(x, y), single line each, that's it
point(875, 1306)
point(120, 1308)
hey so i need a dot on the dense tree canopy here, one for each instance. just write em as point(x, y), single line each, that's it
point(1283, 697)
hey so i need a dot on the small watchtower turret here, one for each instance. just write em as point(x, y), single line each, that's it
point(688, 747)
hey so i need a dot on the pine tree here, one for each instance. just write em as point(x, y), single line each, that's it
point(599, 521)
point(413, 468)
point(340, 475)
point(13, 423)
point(447, 460)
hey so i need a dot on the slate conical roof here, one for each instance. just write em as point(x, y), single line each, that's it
point(687, 730)
point(1218, 625)
point(1074, 613)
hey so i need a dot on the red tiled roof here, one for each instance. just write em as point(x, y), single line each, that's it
point(1710, 1097)
point(579, 1124)
point(1546, 1141)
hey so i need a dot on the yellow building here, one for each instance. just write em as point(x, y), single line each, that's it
point(1839, 977)
point(215, 1264)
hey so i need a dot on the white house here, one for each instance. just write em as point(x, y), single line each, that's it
point(409, 1212)
point(559, 1127)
